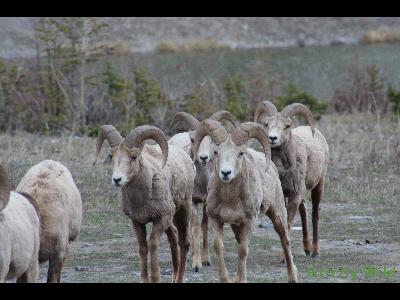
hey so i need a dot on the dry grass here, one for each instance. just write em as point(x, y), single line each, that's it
point(363, 180)
point(381, 35)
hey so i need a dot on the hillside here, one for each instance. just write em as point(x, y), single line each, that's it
point(140, 34)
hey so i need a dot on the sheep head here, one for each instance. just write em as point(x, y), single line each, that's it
point(4, 188)
point(205, 152)
point(279, 124)
point(126, 153)
point(231, 148)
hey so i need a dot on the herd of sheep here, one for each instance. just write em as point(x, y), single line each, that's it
point(163, 184)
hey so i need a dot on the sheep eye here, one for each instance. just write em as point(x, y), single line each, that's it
point(287, 126)
point(266, 125)
point(109, 156)
point(192, 140)
point(241, 153)
point(215, 152)
point(133, 157)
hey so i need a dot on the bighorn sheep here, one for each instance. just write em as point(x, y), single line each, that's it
point(301, 156)
point(19, 234)
point(60, 208)
point(203, 163)
point(241, 188)
point(157, 185)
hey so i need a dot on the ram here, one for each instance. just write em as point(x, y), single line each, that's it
point(203, 163)
point(51, 184)
point(19, 234)
point(157, 185)
point(301, 156)
point(241, 187)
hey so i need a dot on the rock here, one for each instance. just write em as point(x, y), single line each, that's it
point(81, 268)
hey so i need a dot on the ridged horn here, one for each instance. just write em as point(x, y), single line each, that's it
point(223, 115)
point(189, 121)
point(145, 132)
point(5, 187)
point(249, 130)
point(265, 107)
point(300, 109)
point(109, 133)
point(212, 128)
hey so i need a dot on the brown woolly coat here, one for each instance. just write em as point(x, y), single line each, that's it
point(250, 193)
point(302, 161)
point(159, 191)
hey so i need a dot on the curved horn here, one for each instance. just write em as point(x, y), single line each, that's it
point(299, 109)
point(190, 121)
point(145, 132)
point(252, 130)
point(212, 128)
point(5, 188)
point(109, 133)
point(265, 107)
point(223, 115)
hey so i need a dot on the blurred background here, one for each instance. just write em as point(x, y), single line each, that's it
point(76, 73)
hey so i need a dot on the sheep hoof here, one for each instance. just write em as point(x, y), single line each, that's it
point(206, 263)
point(308, 252)
point(315, 254)
point(196, 269)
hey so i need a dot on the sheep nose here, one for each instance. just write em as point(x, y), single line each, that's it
point(273, 138)
point(225, 173)
point(117, 180)
point(203, 158)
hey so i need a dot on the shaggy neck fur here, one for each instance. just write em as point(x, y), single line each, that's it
point(230, 201)
point(291, 170)
point(147, 197)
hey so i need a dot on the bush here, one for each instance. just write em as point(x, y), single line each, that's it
point(236, 98)
point(394, 99)
point(293, 94)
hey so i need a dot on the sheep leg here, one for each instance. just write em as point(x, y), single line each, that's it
point(182, 220)
point(140, 230)
point(205, 255)
point(56, 264)
point(154, 240)
point(218, 230)
point(173, 242)
point(32, 274)
point(292, 207)
point(280, 226)
point(316, 196)
point(196, 261)
point(306, 238)
point(242, 237)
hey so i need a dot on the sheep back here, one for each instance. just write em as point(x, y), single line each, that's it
point(51, 184)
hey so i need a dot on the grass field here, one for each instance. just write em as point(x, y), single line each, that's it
point(360, 212)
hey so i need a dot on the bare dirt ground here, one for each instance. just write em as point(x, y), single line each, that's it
point(359, 226)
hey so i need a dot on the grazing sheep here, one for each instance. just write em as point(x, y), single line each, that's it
point(203, 163)
point(60, 207)
point(301, 156)
point(241, 187)
point(19, 235)
point(157, 185)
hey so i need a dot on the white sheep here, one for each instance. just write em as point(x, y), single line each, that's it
point(19, 235)
point(203, 163)
point(242, 186)
point(301, 156)
point(60, 207)
point(157, 185)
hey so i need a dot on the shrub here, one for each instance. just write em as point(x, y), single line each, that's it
point(394, 99)
point(293, 94)
point(236, 98)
